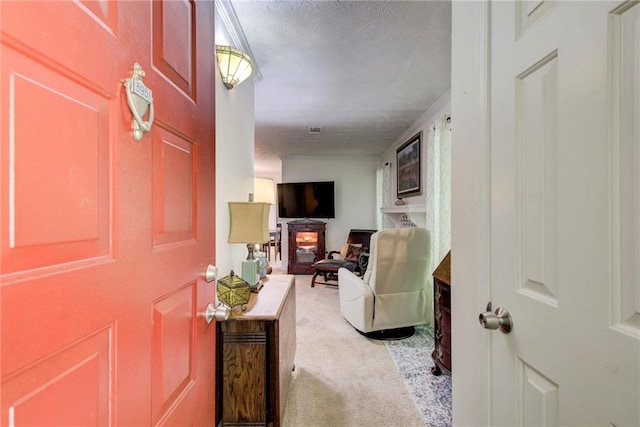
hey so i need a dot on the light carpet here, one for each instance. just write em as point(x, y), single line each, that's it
point(345, 379)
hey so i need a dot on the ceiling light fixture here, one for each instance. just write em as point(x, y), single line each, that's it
point(235, 66)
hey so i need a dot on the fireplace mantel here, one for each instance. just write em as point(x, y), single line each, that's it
point(416, 213)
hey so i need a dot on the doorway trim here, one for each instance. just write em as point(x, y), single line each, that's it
point(471, 209)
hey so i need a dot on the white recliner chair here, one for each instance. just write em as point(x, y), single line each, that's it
point(394, 292)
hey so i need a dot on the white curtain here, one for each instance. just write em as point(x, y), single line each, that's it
point(383, 195)
point(438, 188)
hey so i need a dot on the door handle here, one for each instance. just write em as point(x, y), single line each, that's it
point(501, 319)
point(220, 313)
point(211, 273)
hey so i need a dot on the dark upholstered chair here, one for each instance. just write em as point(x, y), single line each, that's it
point(351, 256)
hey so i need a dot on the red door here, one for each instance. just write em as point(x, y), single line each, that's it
point(105, 239)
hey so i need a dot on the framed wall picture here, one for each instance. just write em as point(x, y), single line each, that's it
point(409, 167)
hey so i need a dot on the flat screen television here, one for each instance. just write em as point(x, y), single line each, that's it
point(306, 200)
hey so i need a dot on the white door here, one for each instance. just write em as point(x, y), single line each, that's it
point(565, 212)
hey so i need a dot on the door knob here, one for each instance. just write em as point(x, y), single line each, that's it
point(501, 319)
point(211, 273)
point(220, 312)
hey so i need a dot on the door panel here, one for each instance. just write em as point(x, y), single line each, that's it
point(174, 184)
point(536, 110)
point(104, 239)
point(174, 364)
point(173, 43)
point(563, 238)
point(625, 168)
point(36, 212)
point(538, 397)
point(81, 372)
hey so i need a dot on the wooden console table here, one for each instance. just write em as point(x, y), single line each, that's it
point(255, 352)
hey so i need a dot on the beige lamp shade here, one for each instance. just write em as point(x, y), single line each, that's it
point(249, 222)
point(235, 66)
point(264, 190)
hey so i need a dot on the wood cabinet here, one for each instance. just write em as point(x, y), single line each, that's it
point(442, 316)
point(306, 245)
point(255, 358)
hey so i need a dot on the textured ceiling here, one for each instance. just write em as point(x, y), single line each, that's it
point(364, 71)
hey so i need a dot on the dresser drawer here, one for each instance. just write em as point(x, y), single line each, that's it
point(443, 338)
point(443, 318)
point(443, 356)
point(442, 294)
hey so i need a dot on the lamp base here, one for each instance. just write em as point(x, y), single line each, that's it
point(255, 289)
point(250, 272)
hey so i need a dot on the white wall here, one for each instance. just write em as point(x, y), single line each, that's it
point(276, 176)
point(235, 140)
point(234, 164)
point(355, 192)
point(439, 108)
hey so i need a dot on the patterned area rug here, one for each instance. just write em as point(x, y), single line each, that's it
point(431, 394)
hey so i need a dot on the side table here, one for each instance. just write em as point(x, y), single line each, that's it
point(255, 356)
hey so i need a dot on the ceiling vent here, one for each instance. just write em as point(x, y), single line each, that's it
point(315, 129)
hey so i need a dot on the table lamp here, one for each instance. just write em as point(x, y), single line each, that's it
point(249, 225)
point(264, 190)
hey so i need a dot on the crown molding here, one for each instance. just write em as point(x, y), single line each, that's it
point(227, 14)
